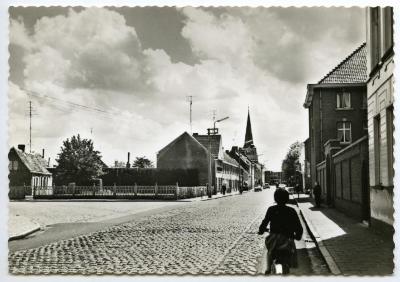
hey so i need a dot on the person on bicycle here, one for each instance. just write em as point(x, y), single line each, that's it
point(285, 226)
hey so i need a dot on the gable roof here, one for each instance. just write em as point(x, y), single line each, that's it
point(229, 159)
point(353, 69)
point(173, 142)
point(33, 162)
point(215, 143)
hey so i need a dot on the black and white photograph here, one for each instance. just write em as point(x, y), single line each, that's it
point(200, 140)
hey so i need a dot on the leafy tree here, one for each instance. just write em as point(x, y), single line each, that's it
point(291, 163)
point(78, 162)
point(142, 162)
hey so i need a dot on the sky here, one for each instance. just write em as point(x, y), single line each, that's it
point(121, 76)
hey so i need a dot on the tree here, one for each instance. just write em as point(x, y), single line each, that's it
point(78, 162)
point(142, 162)
point(291, 163)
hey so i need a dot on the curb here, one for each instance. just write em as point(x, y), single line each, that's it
point(333, 267)
point(23, 235)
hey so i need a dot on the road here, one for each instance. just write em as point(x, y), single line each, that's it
point(204, 237)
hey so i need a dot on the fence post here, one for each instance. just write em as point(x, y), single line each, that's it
point(115, 190)
point(177, 191)
point(135, 190)
point(156, 190)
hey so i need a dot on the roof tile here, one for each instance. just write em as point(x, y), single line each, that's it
point(353, 69)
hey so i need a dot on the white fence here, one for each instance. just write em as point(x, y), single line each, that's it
point(113, 192)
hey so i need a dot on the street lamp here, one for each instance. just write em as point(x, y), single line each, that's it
point(209, 154)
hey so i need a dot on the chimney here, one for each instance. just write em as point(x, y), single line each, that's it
point(48, 163)
point(128, 165)
point(43, 153)
point(21, 147)
point(195, 134)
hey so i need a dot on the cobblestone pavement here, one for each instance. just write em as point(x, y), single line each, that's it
point(210, 237)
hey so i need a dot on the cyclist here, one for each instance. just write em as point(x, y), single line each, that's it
point(284, 227)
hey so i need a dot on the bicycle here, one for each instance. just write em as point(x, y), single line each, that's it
point(279, 265)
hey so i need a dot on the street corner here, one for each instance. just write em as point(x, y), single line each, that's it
point(20, 226)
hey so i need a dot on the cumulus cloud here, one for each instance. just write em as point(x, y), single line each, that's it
point(260, 58)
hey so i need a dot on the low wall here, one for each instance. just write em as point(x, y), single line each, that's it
point(350, 180)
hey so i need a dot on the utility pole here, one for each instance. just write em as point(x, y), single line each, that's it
point(30, 126)
point(190, 100)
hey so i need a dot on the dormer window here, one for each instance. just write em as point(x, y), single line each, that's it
point(343, 100)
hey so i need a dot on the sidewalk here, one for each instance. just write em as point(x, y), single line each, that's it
point(348, 246)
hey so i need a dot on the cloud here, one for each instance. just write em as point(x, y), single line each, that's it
point(260, 58)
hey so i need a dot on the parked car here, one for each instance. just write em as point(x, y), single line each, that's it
point(258, 188)
point(291, 190)
point(282, 185)
point(266, 186)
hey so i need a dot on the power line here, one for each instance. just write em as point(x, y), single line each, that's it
point(75, 105)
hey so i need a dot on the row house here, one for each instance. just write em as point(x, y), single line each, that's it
point(380, 94)
point(336, 148)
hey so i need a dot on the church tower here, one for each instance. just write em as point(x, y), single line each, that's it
point(249, 148)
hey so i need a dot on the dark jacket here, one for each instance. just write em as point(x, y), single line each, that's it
point(283, 220)
point(317, 190)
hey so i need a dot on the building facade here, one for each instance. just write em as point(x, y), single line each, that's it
point(380, 113)
point(205, 154)
point(27, 169)
point(337, 108)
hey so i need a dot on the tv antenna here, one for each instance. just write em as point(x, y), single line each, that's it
point(190, 100)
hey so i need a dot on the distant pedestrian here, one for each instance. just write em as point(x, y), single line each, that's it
point(223, 189)
point(317, 194)
point(298, 190)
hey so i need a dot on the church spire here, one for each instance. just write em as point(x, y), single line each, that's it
point(248, 141)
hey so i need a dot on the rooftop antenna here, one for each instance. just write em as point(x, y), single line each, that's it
point(190, 100)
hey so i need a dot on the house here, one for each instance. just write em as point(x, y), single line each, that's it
point(27, 169)
point(380, 65)
point(338, 136)
point(337, 110)
point(244, 163)
point(224, 169)
point(185, 152)
point(205, 154)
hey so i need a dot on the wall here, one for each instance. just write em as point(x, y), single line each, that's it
point(350, 180)
point(323, 118)
point(186, 153)
point(380, 98)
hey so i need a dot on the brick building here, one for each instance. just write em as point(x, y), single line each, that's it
point(380, 114)
point(193, 152)
point(337, 108)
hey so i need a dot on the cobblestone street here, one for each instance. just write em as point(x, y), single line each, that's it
point(208, 237)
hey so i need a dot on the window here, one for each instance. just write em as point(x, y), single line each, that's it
point(344, 131)
point(389, 132)
point(377, 149)
point(13, 165)
point(343, 100)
